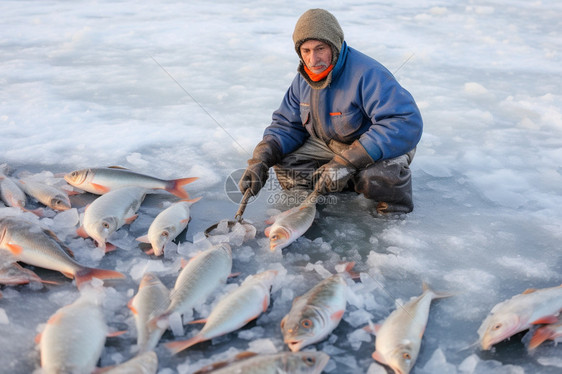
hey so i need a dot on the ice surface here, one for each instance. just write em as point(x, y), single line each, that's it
point(106, 85)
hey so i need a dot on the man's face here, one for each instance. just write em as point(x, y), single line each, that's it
point(316, 55)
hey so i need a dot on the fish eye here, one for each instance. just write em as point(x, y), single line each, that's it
point(406, 356)
point(309, 360)
point(105, 225)
point(497, 326)
point(306, 323)
point(165, 234)
point(274, 237)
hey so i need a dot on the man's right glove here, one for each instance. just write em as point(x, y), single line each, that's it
point(266, 154)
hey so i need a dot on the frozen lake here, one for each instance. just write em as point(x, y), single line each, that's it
point(182, 89)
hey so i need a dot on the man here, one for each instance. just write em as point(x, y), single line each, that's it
point(344, 122)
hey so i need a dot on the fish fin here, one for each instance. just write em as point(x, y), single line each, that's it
point(180, 345)
point(378, 357)
point(38, 338)
point(271, 220)
point(184, 221)
point(371, 328)
point(545, 320)
point(100, 188)
point(86, 274)
point(267, 231)
point(38, 212)
point(132, 308)
point(233, 275)
point(175, 187)
point(130, 219)
point(116, 333)
point(539, 336)
point(109, 247)
point(265, 303)
point(143, 239)
point(14, 248)
point(204, 320)
point(336, 316)
point(528, 291)
point(81, 232)
point(117, 167)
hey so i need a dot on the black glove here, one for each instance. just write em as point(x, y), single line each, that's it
point(334, 175)
point(266, 154)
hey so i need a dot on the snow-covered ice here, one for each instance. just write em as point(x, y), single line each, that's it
point(180, 89)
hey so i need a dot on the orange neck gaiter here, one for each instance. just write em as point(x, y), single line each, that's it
point(318, 77)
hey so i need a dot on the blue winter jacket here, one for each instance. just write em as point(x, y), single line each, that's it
point(363, 101)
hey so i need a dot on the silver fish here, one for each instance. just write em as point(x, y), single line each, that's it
point(109, 212)
point(314, 315)
point(235, 310)
point(102, 180)
point(519, 313)
point(14, 274)
point(31, 244)
point(144, 363)
point(399, 337)
point(288, 226)
point(73, 338)
point(310, 362)
point(151, 300)
point(51, 196)
point(198, 279)
point(167, 225)
point(13, 195)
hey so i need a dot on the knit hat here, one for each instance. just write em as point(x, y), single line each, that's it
point(318, 24)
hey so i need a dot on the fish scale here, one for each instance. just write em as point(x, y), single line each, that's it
point(198, 279)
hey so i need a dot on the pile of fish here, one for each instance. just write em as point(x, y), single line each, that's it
point(74, 337)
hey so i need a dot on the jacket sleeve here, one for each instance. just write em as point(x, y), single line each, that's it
point(286, 128)
point(396, 120)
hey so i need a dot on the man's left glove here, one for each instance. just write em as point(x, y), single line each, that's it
point(266, 154)
point(334, 175)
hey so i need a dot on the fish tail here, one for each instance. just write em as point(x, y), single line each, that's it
point(175, 187)
point(435, 295)
point(86, 274)
point(541, 335)
point(180, 345)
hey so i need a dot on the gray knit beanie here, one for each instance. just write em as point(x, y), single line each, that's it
point(318, 24)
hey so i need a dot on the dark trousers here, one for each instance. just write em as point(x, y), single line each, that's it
point(389, 182)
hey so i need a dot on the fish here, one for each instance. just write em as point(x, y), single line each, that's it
point(236, 309)
point(288, 226)
point(315, 314)
point(73, 338)
point(12, 195)
point(143, 363)
point(102, 180)
point(544, 333)
point(167, 225)
point(109, 212)
point(507, 318)
point(398, 339)
point(197, 280)
point(310, 362)
point(14, 274)
point(152, 299)
point(51, 196)
point(33, 245)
